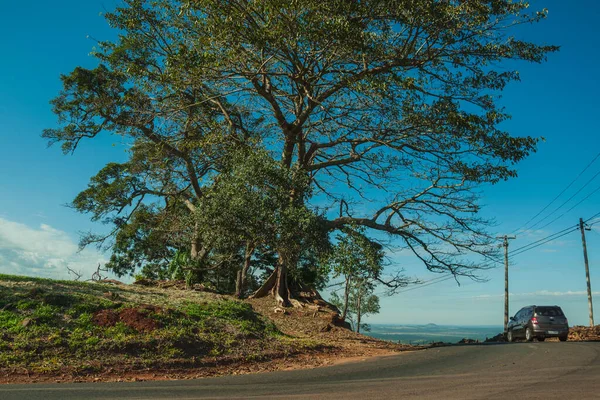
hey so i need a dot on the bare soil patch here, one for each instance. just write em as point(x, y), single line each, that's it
point(134, 317)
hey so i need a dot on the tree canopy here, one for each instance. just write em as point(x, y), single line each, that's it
point(374, 113)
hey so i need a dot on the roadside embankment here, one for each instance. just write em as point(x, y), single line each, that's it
point(60, 331)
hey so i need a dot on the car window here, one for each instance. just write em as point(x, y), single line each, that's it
point(549, 311)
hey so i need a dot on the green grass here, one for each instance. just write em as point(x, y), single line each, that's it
point(31, 279)
point(49, 326)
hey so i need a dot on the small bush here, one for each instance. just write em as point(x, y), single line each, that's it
point(235, 313)
point(59, 300)
point(88, 304)
point(44, 314)
point(9, 321)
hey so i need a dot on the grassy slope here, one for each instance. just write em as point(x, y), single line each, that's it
point(57, 327)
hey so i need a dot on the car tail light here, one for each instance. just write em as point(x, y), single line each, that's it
point(534, 321)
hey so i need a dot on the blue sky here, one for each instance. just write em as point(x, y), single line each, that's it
point(557, 100)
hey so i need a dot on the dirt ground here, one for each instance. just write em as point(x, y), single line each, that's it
point(584, 333)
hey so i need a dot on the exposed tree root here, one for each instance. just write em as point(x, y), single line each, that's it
point(298, 296)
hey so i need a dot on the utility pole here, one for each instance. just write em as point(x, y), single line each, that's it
point(506, 238)
point(587, 272)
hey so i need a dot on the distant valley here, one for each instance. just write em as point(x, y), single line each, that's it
point(425, 334)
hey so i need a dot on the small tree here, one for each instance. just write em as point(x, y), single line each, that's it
point(365, 303)
point(359, 303)
point(358, 260)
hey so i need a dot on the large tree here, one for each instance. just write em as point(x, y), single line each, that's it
point(384, 109)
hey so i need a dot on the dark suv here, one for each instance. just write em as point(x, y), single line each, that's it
point(538, 322)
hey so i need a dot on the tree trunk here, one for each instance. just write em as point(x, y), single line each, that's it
point(280, 291)
point(358, 300)
point(195, 250)
point(346, 298)
point(240, 284)
point(266, 287)
point(276, 285)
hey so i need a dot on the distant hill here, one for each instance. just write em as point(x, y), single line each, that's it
point(431, 333)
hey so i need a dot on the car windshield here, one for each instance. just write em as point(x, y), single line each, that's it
point(549, 311)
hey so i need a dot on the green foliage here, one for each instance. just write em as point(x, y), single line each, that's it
point(182, 267)
point(144, 241)
point(356, 263)
point(236, 313)
point(250, 204)
point(88, 304)
point(45, 315)
point(336, 300)
point(370, 305)
point(361, 303)
point(59, 300)
point(356, 256)
point(9, 321)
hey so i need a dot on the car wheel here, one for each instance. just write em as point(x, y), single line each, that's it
point(509, 336)
point(541, 339)
point(528, 334)
point(563, 338)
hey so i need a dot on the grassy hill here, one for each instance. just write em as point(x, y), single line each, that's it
point(74, 331)
point(64, 327)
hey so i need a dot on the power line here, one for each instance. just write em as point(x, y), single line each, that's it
point(592, 217)
point(543, 239)
point(563, 204)
point(520, 250)
point(428, 283)
point(560, 194)
point(435, 280)
point(571, 209)
point(554, 236)
point(425, 283)
point(547, 241)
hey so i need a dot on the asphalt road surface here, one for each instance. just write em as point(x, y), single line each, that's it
point(501, 371)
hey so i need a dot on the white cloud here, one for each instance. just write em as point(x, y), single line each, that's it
point(487, 296)
point(539, 293)
point(44, 252)
point(532, 233)
point(555, 294)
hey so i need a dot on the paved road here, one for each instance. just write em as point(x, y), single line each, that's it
point(502, 371)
